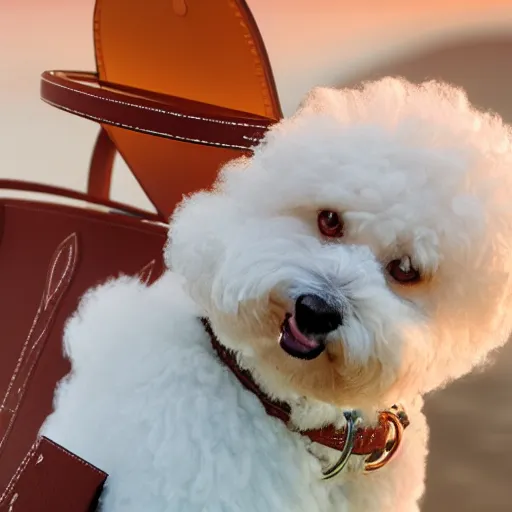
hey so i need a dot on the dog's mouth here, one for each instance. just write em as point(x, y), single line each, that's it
point(297, 344)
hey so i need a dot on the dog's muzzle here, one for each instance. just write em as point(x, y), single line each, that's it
point(304, 333)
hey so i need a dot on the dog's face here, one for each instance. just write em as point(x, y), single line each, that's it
point(364, 252)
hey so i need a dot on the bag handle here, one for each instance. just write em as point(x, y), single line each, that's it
point(40, 188)
point(101, 167)
point(83, 94)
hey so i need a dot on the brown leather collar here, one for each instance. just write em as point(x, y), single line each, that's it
point(371, 441)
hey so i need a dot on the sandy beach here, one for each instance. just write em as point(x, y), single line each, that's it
point(470, 462)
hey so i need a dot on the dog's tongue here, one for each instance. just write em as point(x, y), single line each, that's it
point(302, 339)
point(297, 344)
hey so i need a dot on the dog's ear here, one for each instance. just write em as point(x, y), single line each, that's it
point(321, 99)
point(196, 246)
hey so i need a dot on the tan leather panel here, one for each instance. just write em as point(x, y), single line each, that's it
point(208, 51)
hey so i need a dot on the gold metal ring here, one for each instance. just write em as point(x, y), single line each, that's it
point(392, 418)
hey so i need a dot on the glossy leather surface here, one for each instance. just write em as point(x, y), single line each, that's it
point(51, 479)
point(50, 254)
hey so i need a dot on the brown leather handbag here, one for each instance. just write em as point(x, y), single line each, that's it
point(181, 87)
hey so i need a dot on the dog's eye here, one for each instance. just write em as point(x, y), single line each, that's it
point(330, 224)
point(403, 272)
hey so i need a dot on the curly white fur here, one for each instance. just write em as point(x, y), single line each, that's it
point(418, 175)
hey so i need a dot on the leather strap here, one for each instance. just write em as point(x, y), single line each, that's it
point(151, 113)
point(101, 166)
point(368, 440)
point(39, 188)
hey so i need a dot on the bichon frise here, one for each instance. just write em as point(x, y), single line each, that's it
point(361, 258)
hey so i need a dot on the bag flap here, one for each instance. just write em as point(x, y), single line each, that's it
point(49, 478)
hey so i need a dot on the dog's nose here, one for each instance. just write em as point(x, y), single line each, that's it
point(314, 315)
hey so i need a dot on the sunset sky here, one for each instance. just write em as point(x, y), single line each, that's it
point(309, 43)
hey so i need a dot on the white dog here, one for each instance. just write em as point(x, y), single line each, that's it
point(361, 258)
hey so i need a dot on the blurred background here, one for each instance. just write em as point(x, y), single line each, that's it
point(314, 42)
